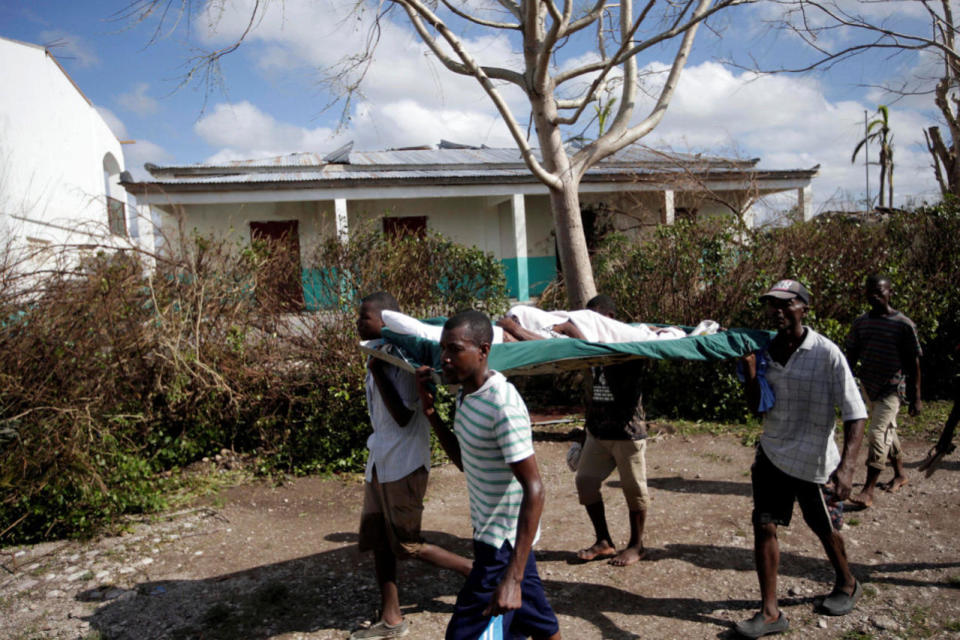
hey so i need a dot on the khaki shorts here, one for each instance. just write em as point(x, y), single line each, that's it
point(883, 439)
point(392, 512)
point(601, 457)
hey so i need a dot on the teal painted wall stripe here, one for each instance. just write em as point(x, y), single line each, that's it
point(541, 271)
point(524, 279)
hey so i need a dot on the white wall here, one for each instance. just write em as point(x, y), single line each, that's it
point(53, 144)
point(231, 222)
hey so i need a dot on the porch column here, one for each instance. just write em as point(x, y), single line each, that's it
point(520, 245)
point(668, 215)
point(805, 202)
point(340, 210)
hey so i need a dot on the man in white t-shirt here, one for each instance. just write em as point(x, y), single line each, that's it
point(396, 476)
point(797, 459)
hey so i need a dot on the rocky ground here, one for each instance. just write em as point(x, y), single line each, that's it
point(264, 561)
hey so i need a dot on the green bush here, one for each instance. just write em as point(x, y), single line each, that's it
point(112, 375)
point(709, 269)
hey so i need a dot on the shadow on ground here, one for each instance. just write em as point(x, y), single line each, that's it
point(330, 590)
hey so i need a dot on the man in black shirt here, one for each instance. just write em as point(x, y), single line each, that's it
point(616, 439)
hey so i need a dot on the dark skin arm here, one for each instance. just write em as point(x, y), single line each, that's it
point(448, 440)
point(751, 383)
point(513, 327)
point(508, 595)
point(391, 398)
point(842, 477)
point(913, 387)
point(569, 329)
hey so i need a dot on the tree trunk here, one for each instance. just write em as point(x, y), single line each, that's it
point(564, 201)
point(572, 244)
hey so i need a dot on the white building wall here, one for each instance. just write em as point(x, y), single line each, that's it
point(52, 149)
point(231, 222)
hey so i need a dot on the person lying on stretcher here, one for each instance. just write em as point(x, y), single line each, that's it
point(594, 324)
point(524, 322)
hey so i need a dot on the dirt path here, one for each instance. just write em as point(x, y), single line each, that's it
point(281, 562)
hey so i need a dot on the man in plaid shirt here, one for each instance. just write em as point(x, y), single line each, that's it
point(797, 455)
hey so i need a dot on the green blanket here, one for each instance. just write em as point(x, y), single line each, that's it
point(563, 354)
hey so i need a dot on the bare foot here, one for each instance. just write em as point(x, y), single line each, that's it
point(894, 485)
point(864, 501)
point(599, 550)
point(628, 556)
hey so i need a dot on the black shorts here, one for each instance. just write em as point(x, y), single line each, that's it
point(774, 493)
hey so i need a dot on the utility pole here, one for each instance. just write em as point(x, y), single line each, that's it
point(866, 157)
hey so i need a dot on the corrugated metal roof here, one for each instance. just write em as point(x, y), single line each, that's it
point(466, 157)
point(447, 163)
point(322, 175)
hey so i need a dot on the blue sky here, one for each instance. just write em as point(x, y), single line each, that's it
point(272, 100)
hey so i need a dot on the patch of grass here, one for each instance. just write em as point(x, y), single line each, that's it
point(717, 457)
point(853, 522)
point(952, 625)
point(748, 432)
point(855, 634)
point(869, 590)
point(919, 624)
point(954, 581)
point(928, 424)
point(188, 487)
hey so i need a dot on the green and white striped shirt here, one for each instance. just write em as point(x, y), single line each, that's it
point(493, 429)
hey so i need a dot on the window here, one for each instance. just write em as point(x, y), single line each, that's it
point(116, 217)
point(407, 225)
point(279, 281)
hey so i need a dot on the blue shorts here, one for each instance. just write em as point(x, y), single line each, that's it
point(534, 618)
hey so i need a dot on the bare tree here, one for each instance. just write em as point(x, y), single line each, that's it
point(867, 22)
point(558, 97)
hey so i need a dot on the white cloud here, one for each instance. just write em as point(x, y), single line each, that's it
point(243, 131)
point(409, 98)
point(137, 100)
point(137, 153)
point(70, 47)
point(309, 40)
point(788, 123)
point(408, 123)
point(116, 125)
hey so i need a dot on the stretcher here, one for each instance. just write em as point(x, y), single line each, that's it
point(565, 354)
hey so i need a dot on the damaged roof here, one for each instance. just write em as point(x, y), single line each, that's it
point(447, 163)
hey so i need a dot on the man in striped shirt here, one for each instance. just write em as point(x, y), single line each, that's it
point(492, 444)
point(885, 343)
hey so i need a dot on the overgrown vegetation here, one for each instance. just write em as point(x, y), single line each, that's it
point(114, 376)
point(708, 269)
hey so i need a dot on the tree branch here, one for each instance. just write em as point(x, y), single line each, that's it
point(480, 21)
point(417, 10)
